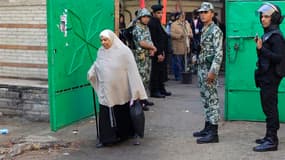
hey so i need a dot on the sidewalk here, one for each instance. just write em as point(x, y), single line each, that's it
point(168, 135)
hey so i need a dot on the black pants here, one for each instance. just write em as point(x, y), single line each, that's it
point(269, 102)
point(157, 76)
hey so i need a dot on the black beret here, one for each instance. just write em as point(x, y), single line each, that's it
point(156, 7)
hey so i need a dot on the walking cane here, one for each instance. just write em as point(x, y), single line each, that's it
point(95, 110)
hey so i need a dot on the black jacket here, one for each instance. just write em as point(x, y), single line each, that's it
point(158, 35)
point(270, 55)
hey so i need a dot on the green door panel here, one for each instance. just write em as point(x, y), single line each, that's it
point(245, 105)
point(242, 101)
point(73, 41)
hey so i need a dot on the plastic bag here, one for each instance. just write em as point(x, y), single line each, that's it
point(138, 118)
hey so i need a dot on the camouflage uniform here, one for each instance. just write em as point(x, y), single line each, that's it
point(210, 60)
point(141, 33)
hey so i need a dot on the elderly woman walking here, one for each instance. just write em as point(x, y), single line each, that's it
point(116, 80)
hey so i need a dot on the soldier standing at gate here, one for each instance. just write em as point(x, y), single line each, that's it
point(209, 62)
point(158, 62)
point(270, 70)
point(144, 49)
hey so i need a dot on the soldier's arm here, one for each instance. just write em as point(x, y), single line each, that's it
point(146, 45)
point(141, 39)
point(218, 49)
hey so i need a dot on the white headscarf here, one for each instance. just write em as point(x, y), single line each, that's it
point(115, 75)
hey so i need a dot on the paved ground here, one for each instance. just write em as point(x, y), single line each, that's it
point(168, 136)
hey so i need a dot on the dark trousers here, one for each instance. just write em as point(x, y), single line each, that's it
point(269, 102)
point(178, 66)
point(157, 76)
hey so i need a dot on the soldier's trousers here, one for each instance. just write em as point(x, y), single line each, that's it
point(269, 101)
point(144, 67)
point(209, 96)
point(157, 76)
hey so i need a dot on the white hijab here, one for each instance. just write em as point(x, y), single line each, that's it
point(114, 75)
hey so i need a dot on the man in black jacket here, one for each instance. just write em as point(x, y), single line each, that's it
point(270, 52)
point(159, 64)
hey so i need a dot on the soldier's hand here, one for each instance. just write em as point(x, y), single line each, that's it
point(211, 77)
point(258, 43)
point(154, 49)
point(160, 58)
point(151, 53)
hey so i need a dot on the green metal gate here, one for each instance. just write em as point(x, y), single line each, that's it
point(242, 101)
point(73, 41)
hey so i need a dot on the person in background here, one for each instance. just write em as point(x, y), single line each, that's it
point(209, 62)
point(122, 24)
point(159, 61)
point(197, 26)
point(181, 33)
point(269, 72)
point(116, 80)
point(171, 20)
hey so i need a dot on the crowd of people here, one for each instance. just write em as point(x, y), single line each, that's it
point(122, 76)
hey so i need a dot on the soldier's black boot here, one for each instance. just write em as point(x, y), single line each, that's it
point(203, 132)
point(211, 137)
point(164, 92)
point(260, 140)
point(268, 134)
point(270, 143)
point(157, 94)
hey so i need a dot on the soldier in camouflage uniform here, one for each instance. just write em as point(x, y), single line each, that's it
point(144, 47)
point(209, 62)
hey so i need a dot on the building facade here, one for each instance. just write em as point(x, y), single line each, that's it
point(23, 39)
